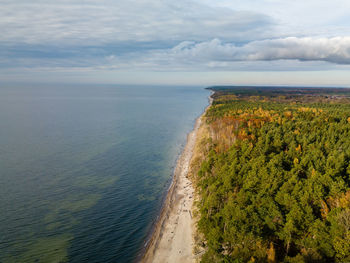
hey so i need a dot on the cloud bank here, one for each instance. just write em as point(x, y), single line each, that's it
point(335, 50)
point(290, 53)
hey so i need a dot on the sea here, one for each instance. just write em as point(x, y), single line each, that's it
point(84, 169)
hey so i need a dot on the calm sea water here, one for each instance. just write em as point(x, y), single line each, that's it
point(84, 169)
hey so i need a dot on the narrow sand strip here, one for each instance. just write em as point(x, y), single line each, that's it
point(173, 237)
point(172, 240)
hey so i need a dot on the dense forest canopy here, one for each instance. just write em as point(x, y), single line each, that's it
point(275, 183)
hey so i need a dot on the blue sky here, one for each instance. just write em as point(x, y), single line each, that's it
point(204, 42)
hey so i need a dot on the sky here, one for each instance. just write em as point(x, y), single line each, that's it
point(187, 42)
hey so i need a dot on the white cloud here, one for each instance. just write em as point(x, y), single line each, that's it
point(334, 50)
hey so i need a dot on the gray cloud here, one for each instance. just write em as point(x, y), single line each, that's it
point(103, 22)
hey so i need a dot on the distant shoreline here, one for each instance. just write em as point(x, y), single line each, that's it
point(172, 236)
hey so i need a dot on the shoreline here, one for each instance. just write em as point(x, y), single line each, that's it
point(172, 237)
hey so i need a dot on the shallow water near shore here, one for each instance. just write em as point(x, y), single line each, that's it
point(83, 169)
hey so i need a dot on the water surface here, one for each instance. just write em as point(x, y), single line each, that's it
point(83, 169)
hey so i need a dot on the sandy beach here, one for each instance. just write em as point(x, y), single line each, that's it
point(173, 237)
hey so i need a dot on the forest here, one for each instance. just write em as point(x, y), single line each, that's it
point(274, 185)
